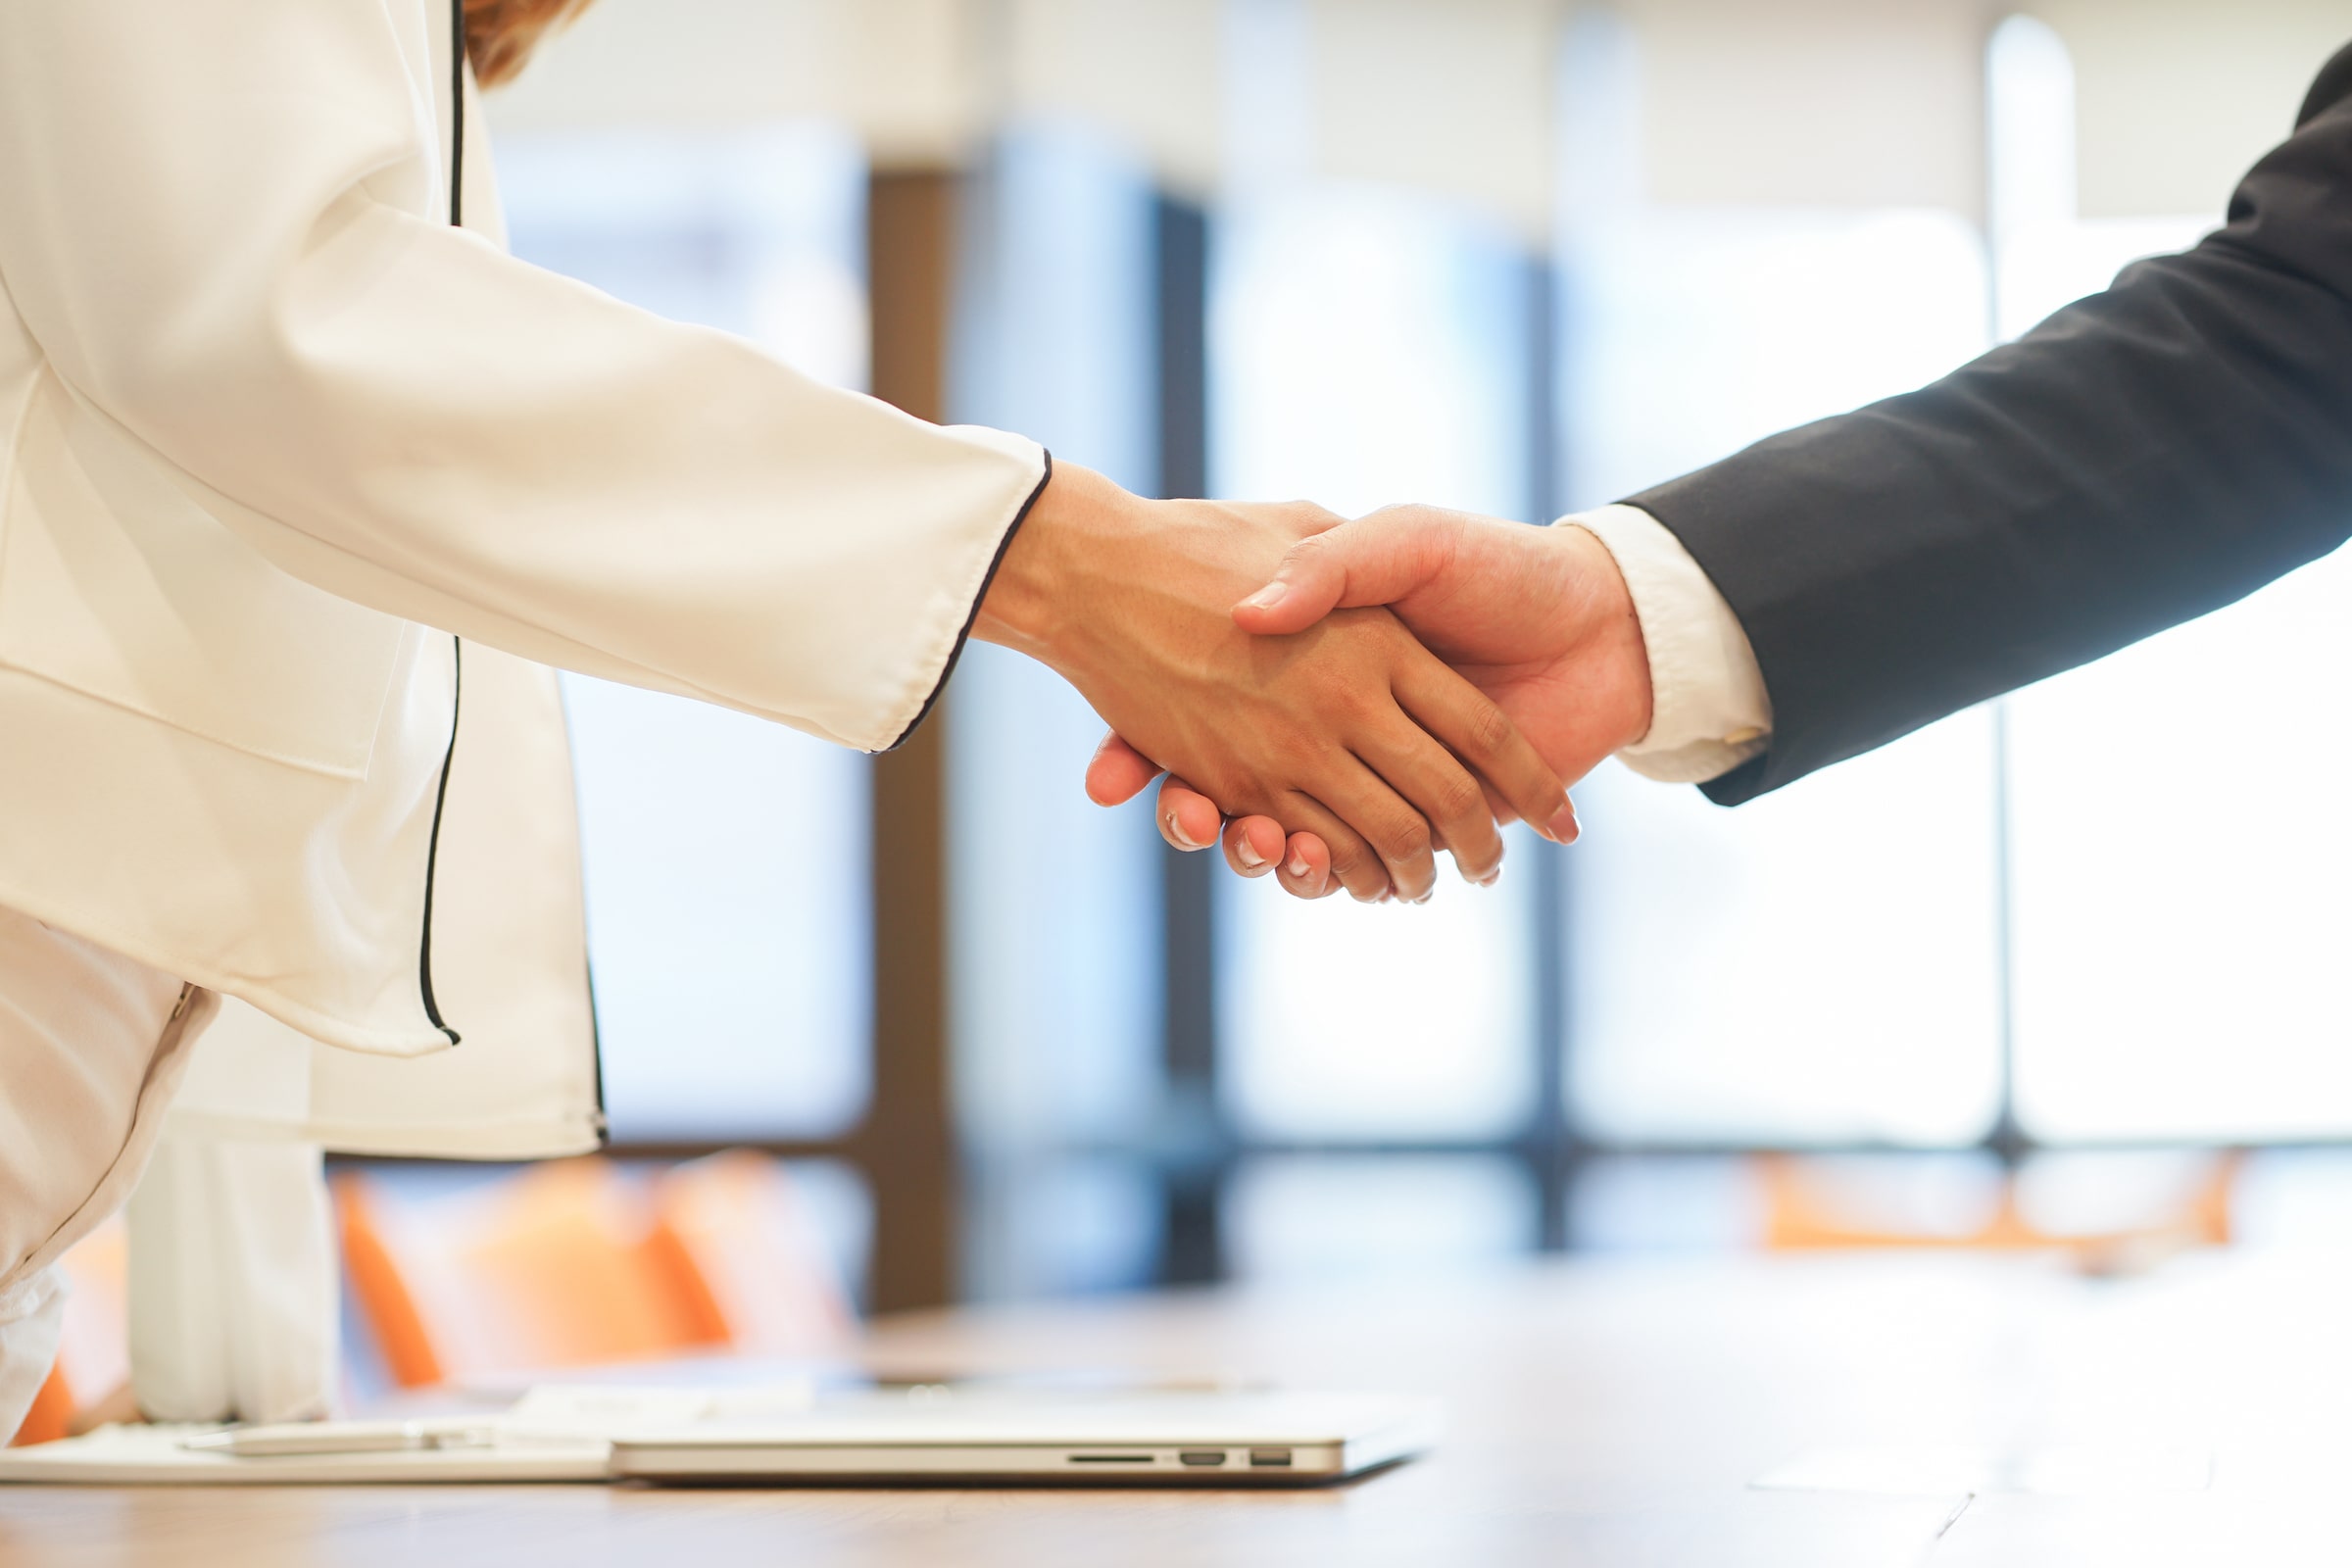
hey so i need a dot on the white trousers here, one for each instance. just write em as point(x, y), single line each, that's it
point(91, 1046)
point(233, 1257)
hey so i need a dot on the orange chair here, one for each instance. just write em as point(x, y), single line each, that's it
point(92, 1372)
point(379, 1289)
point(744, 1248)
point(579, 1263)
point(52, 1414)
point(1799, 1216)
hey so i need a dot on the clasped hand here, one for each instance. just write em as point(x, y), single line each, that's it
point(1343, 699)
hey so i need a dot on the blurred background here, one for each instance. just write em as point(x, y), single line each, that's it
point(2064, 971)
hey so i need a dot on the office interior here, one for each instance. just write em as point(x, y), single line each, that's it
point(2059, 975)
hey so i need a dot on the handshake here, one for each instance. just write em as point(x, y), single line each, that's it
point(1342, 700)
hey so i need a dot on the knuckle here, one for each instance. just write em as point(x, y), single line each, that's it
point(1457, 798)
point(1297, 750)
point(1402, 837)
point(1362, 706)
point(1486, 731)
point(1335, 704)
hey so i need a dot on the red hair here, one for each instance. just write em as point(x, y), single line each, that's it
point(500, 34)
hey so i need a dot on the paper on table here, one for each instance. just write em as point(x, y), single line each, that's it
point(153, 1455)
point(607, 1410)
point(556, 1431)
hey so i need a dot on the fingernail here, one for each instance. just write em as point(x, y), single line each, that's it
point(1426, 897)
point(1562, 829)
point(1246, 853)
point(1269, 596)
point(1492, 877)
point(1297, 865)
point(1176, 831)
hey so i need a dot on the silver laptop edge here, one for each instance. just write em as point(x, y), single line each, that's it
point(1197, 1459)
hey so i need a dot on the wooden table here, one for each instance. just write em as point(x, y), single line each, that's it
point(1602, 1414)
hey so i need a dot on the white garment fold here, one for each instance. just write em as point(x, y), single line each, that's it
point(510, 966)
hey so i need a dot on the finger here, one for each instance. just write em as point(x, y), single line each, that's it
point(1482, 736)
point(1376, 560)
point(1441, 790)
point(1118, 772)
point(1254, 845)
point(1306, 868)
point(1381, 818)
point(1352, 863)
point(1187, 820)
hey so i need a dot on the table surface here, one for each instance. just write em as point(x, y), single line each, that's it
point(1601, 1413)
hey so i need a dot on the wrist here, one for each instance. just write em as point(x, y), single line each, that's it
point(1623, 694)
point(1033, 603)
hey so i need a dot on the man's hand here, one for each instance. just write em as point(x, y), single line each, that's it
point(1341, 725)
point(1538, 619)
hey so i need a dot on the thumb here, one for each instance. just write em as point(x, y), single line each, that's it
point(1376, 560)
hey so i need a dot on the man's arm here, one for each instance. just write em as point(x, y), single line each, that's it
point(2147, 455)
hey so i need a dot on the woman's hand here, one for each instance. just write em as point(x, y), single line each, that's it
point(1347, 729)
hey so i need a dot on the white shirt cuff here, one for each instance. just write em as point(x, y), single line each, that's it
point(1709, 711)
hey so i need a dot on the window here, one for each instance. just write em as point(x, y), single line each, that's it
point(1822, 964)
point(2180, 855)
point(1055, 961)
point(725, 858)
point(1999, 928)
point(2178, 846)
point(1369, 346)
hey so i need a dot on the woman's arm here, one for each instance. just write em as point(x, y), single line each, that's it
point(225, 222)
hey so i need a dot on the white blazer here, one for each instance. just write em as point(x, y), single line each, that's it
point(271, 431)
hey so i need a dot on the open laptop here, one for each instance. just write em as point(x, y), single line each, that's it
point(1184, 1438)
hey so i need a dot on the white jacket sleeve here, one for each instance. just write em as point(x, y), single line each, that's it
point(224, 222)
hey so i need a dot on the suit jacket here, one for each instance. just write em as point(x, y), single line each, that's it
point(2144, 455)
point(271, 429)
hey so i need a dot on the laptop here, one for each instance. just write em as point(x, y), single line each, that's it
point(938, 1434)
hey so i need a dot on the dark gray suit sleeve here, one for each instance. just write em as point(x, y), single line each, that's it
point(2147, 455)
